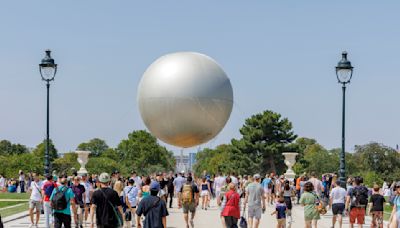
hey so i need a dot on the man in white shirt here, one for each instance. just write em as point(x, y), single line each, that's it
point(219, 182)
point(88, 193)
point(178, 183)
point(318, 187)
point(337, 203)
point(35, 201)
point(137, 179)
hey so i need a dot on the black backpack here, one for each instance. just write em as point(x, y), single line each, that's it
point(59, 201)
point(359, 196)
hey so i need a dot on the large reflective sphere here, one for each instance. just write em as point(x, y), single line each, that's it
point(185, 98)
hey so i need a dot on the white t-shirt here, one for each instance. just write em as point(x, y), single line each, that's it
point(317, 185)
point(338, 195)
point(36, 191)
point(219, 182)
point(178, 183)
point(131, 192)
point(88, 188)
point(2, 182)
point(235, 180)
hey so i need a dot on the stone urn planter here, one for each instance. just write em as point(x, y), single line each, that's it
point(290, 160)
point(83, 157)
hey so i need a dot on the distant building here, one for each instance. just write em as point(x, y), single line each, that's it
point(185, 162)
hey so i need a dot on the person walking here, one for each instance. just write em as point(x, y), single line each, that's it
point(394, 219)
point(47, 189)
point(376, 204)
point(256, 201)
point(35, 200)
point(189, 200)
point(130, 193)
point(62, 199)
point(357, 201)
point(205, 193)
point(308, 201)
point(21, 181)
point(106, 204)
point(318, 187)
point(88, 194)
point(219, 183)
point(153, 208)
point(231, 207)
point(178, 183)
point(80, 198)
point(337, 203)
point(287, 194)
point(170, 188)
point(267, 185)
point(280, 211)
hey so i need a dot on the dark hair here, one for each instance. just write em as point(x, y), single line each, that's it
point(281, 199)
point(358, 180)
point(338, 183)
point(131, 181)
point(287, 186)
point(204, 179)
point(189, 179)
point(228, 180)
point(308, 187)
point(147, 181)
point(153, 192)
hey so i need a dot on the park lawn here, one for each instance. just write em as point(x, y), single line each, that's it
point(387, 211)
point(8, 203)
point(14, 210)
point(7, 195)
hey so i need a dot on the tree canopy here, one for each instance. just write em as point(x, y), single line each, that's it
point(96, 146)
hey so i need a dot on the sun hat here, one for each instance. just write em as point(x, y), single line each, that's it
point(104, 178)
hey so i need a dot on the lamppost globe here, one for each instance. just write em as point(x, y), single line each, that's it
point(47, 67)
point(344, 70)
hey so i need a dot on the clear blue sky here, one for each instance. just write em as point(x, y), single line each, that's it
point(279, 55)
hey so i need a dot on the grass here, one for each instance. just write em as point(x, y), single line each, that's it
point(8, 203)
point(14, 210)
point(7, 195)
point(387, 211)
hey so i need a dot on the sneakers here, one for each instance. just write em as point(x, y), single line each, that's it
point(31, 225)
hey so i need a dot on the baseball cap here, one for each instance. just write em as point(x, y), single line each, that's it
point(257, 176)
point(155, 186)
point(104, 178)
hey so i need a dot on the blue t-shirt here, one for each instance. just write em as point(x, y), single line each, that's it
point(281, 210)
point(266, 182)
point(68, 195)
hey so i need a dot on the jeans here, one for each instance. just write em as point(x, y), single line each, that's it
point(171, 196)
point(60, 219)
point(22, 186)
point(47, 213)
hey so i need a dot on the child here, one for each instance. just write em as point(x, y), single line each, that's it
point(377, 201)
point(280, 211)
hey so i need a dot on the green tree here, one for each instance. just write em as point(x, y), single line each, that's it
point(99, 165)
point(64, 165)
point(7, 148)
point(39, 152)
point(265, 136)
point(141, 151)
point(96, 146)
point(27, 162)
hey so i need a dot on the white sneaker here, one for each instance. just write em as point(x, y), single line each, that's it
point(31, 225)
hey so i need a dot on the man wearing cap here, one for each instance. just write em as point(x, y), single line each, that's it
point(104, 202)
point(153, 208)
point(256, 201)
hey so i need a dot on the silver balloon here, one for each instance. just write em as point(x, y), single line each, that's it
point(185, 98)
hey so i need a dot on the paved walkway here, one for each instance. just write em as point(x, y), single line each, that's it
point(210, 219)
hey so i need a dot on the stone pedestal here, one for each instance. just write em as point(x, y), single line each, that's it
point(83, 157)
point(290, 160)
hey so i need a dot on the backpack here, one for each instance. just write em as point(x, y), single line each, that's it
point(187, 193)
point(49, 190)
point(59, 201)
point(359, 197)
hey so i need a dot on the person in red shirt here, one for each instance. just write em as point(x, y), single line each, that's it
point(231, 207)
point(47, 189)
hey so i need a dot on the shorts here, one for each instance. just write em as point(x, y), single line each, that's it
point(189, 207)
point(35, 204)
point(204, 193)
point(357, 213)
point(338, 208)
point(218, 192)
point(281, 221)
point(255, 212)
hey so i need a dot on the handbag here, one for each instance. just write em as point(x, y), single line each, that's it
point(320, 206)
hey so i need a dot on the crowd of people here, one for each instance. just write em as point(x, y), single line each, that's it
point(115, 201)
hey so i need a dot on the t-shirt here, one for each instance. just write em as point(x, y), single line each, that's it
point(131, 192)
point(377, 201)
point(170, 184)
point(46, 184)
point(317, 185)
point(338, 195)
point(255, 192)
point(78, 191)
point(178, 182)
point(154, 209)
point(2, 182)
point(69, 195)
point(265, 183)
point(36, 194)
point(219, 182)
point(88, 188)
point(104, 212)
point(281, 210)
